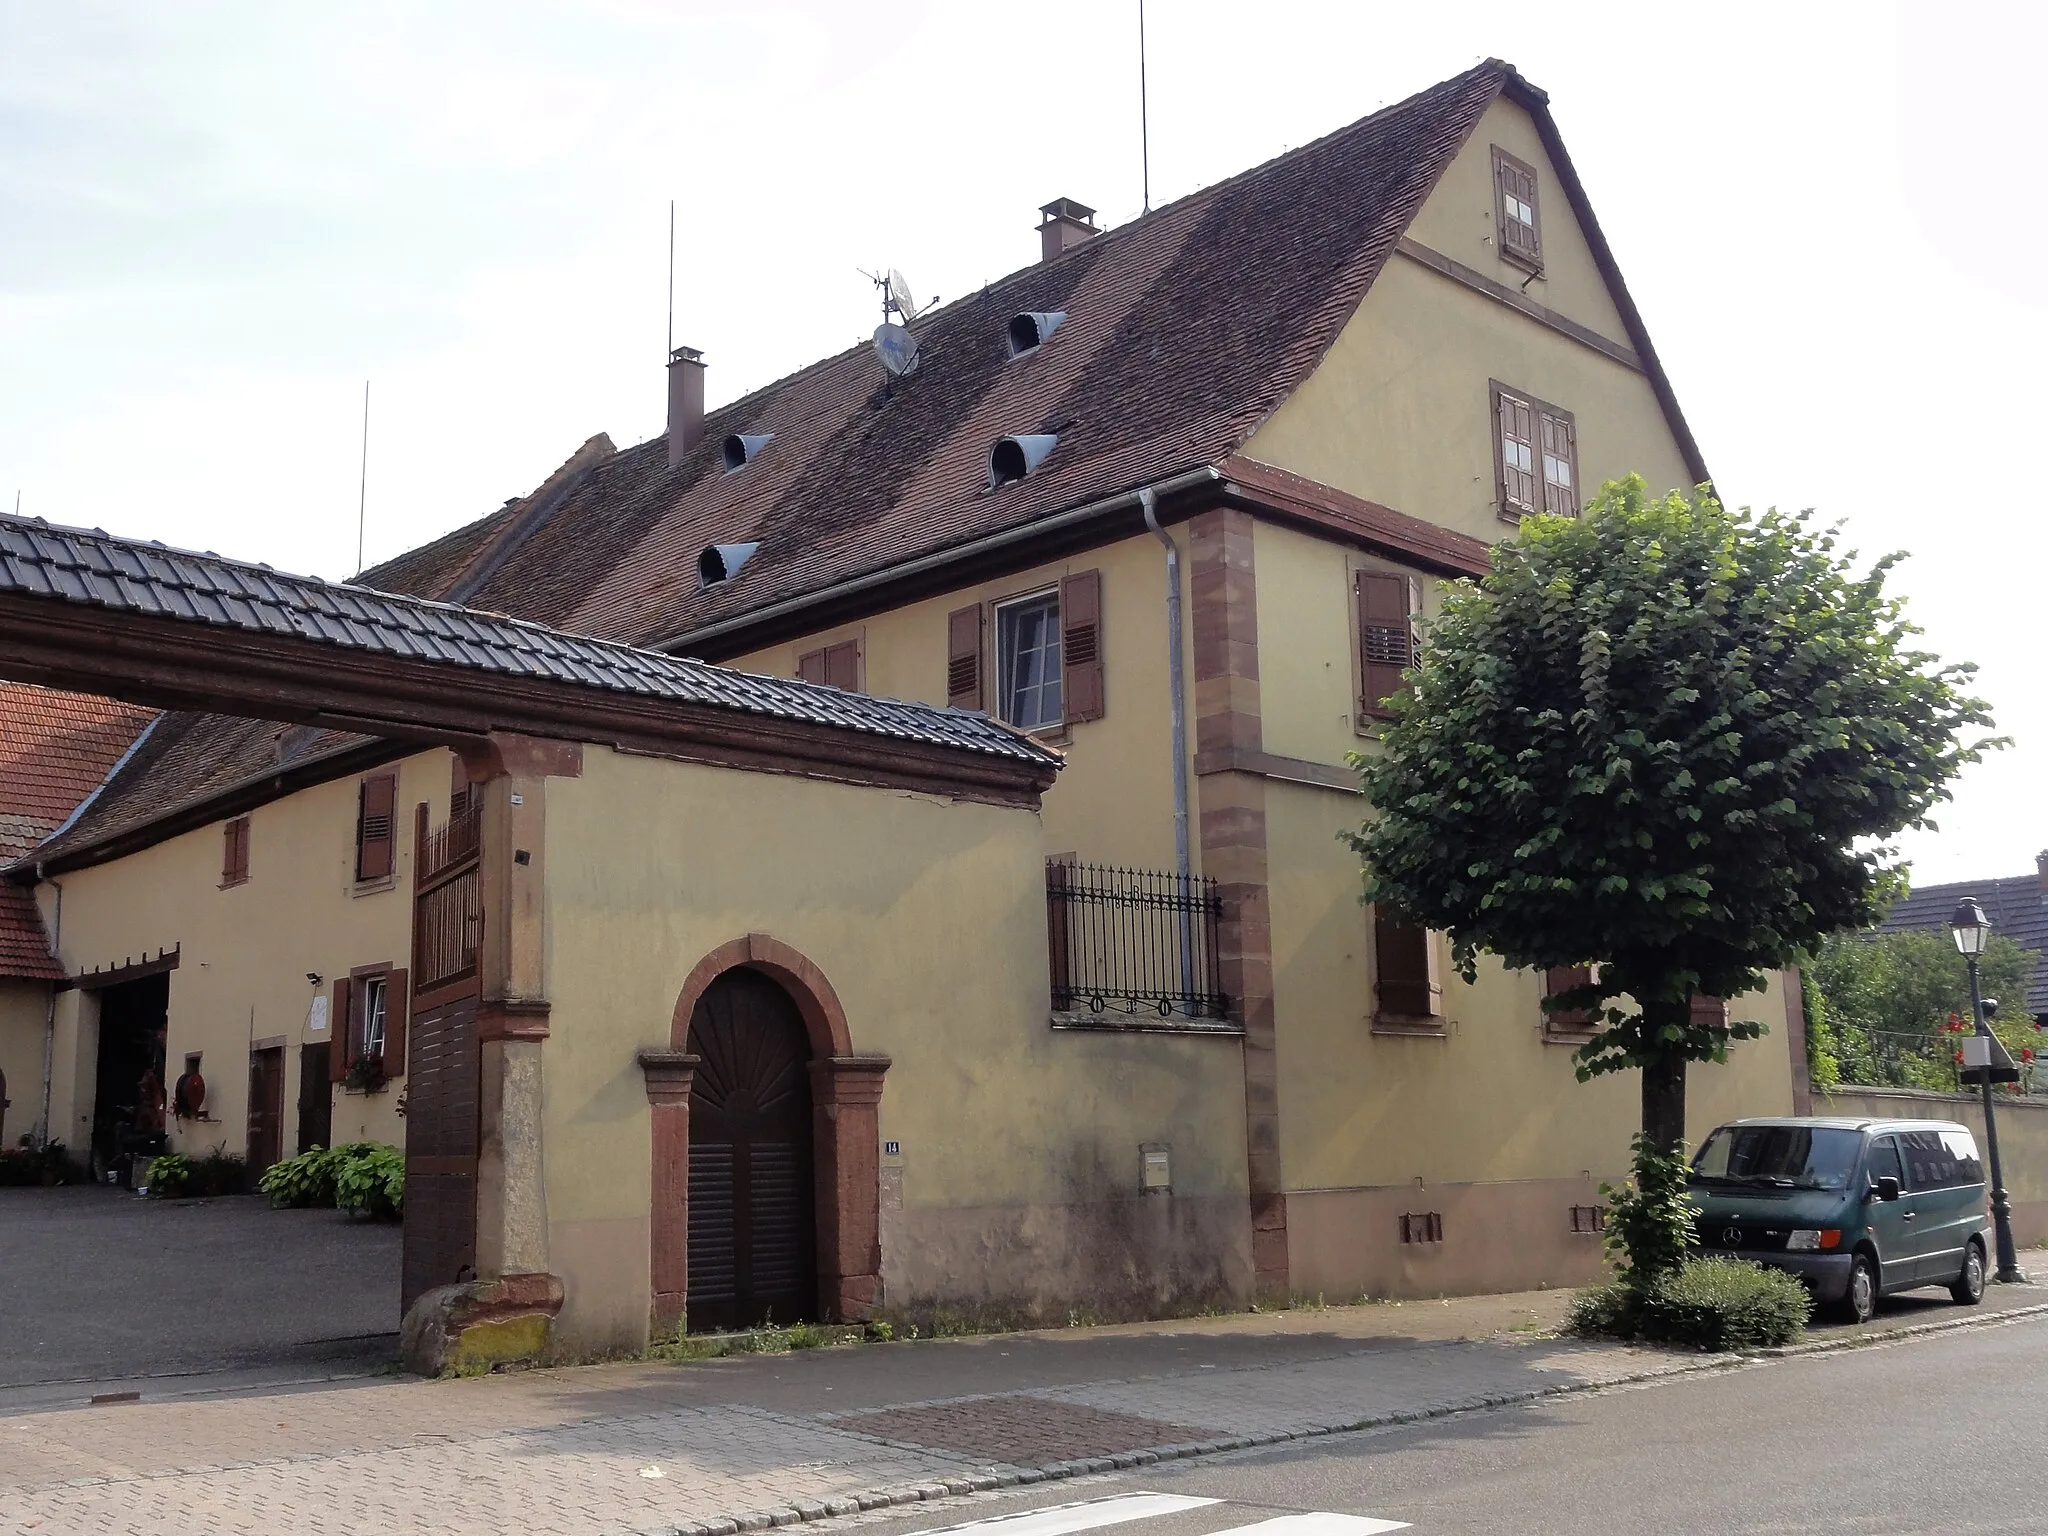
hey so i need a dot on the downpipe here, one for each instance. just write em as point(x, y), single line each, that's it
point(1176, 684)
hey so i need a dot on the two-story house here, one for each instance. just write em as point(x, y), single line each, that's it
point(1177, 499)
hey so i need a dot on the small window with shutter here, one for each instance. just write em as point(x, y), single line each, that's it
point(370, 1014)
point(1535, 455)
point(1576, 1024)
point(837, 666)
point(1514, 208)
point(1407, 985)
point(1386, 638)
point(234, 858)
point(376, 833)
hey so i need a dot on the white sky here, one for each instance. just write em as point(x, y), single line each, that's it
point(218, 219)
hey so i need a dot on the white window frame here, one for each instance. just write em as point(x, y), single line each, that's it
point(1008, 614)
point(376, 1012)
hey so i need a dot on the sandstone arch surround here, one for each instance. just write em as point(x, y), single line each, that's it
point(846, 1095)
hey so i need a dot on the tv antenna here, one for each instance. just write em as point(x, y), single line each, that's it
point(896, 297)
point(897, 348)
point(1144, 115)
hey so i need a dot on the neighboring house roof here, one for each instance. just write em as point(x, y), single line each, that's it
point(2017, 907)
point(55, 749)
point(1184, 331)
point(86, 568)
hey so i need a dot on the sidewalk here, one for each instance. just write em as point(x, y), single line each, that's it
point(653, 1447)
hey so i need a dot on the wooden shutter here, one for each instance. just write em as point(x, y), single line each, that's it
point(963, 658)
point(397, 1010)
point(1516, 182)
point(1560, 448)
point(1564, 978)
point(1081, 692)
point(1708, 1011)
point(376, 805)
point(842, 665)
point(1404, 976)
point(339, 1030)
point(810, 667)
point(1386, 640)
point(1515, 453)
point(234, 860)
point(458, 786)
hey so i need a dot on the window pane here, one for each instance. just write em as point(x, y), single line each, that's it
point(1028, 661)
point(373, 1017)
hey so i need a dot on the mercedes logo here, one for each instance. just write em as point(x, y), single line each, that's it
point(1731, 1237)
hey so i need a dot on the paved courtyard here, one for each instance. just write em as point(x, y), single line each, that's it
point(96, 1284)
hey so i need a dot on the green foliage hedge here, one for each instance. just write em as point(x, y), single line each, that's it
point(364, 1178)
point(174, 1176)
point(1708, 1304)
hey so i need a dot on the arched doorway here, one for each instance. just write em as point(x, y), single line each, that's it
point(752, 1206)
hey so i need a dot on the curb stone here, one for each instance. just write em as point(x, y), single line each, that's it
point(1888, 1335)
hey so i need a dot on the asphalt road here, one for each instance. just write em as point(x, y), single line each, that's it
point(96, 1284)
point(1939, 1434)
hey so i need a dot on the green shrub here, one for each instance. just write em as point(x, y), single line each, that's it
point(1650, 1218)
point(302, 1181)
point(1710, 1304)
point(369, 1180)
point(167, 1176)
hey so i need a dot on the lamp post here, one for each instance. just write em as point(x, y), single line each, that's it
point(1971, 928)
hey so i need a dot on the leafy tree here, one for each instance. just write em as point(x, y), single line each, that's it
point(1663, 738)
point(1877, 1004)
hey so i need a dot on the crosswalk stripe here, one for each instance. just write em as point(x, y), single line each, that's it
point(1062, 1519)
point(1317, 1524)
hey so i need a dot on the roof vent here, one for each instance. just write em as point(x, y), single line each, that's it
point(1033, 328)
point(722, 562)
point(741, 447)
point(1012, 458)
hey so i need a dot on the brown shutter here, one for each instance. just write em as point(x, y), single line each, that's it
point(1081, 692)
point(842, 665)
point(1558, 442)
point(1401, 963)
point(338, 1058)
point(397, 1009)
point(963, 658)
point(1564, 978)
point(234, 861)
point(810, 667)
point(376, 804)
point(1386, 642)
point(458, 785)
point(1708, 1011)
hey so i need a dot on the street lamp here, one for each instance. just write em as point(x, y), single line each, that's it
point(1972, 929)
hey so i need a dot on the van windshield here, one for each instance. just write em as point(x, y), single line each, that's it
point(1783, 1156)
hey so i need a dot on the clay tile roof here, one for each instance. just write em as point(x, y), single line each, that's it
point(55, 749)
point(2017, 907)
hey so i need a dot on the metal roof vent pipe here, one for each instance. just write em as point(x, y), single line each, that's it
point(1012, 458)
point(1066, 225)
point(741, 447)
point(722, 562)
point(685, 402)
point(1033, 328)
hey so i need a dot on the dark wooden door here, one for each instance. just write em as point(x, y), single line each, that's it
point(266, 1108)
point(753, 1224)
point(442, 1132)
point(316, 1097)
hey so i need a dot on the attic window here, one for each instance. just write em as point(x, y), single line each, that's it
point(741, 447)
point(1012, 458)
point(1033, 329)
point(722, 562)
point(1514, 210)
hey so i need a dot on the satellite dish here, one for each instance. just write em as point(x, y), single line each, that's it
point(899, 295)
point(897, 349)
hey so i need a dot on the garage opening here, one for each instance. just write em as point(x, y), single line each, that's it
point(128, 1080)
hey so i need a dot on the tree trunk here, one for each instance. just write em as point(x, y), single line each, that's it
point(1664, 1102)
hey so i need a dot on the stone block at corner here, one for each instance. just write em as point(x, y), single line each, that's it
point(480, 1322)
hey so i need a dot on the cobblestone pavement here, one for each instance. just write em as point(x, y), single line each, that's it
point(652, 1447)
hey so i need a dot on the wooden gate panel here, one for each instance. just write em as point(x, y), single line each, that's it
point(442, 1133)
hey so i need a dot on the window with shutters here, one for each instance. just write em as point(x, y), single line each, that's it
point(1535, 455)
point(234, 858)
point(1385, 603)
point(1028, 671)
point(376, 1003)
point(370, 1020)
point(1573, 1026)
point(1407, 984)
point(376, 827)
point(1514, 209)
point(837, 666)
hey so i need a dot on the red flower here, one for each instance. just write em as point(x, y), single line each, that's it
point(1959, 1055)
point(2026, 1053)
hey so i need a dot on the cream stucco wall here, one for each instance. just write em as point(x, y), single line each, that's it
point(23, 1011)
point(244, 953)
point(1017, 1184)
point(1113, 803)
point(1398, 410)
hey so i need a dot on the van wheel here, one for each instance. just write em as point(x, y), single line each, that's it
point(1969, 1287)
point(1859, 1301)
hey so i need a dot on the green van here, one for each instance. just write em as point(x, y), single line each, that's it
point(1857, 1209)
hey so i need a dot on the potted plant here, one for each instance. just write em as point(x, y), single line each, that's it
point(365, 1075)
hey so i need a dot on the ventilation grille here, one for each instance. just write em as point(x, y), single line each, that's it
point(1422, 1226)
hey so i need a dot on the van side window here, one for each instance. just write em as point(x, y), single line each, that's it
point(1962, 1147)
point(1932, 1163)
point(1884, 1159)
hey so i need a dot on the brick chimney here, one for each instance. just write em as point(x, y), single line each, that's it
point(685, 402)
point(1067, 224)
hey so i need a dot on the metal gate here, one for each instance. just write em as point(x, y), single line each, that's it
point(443, 1124)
